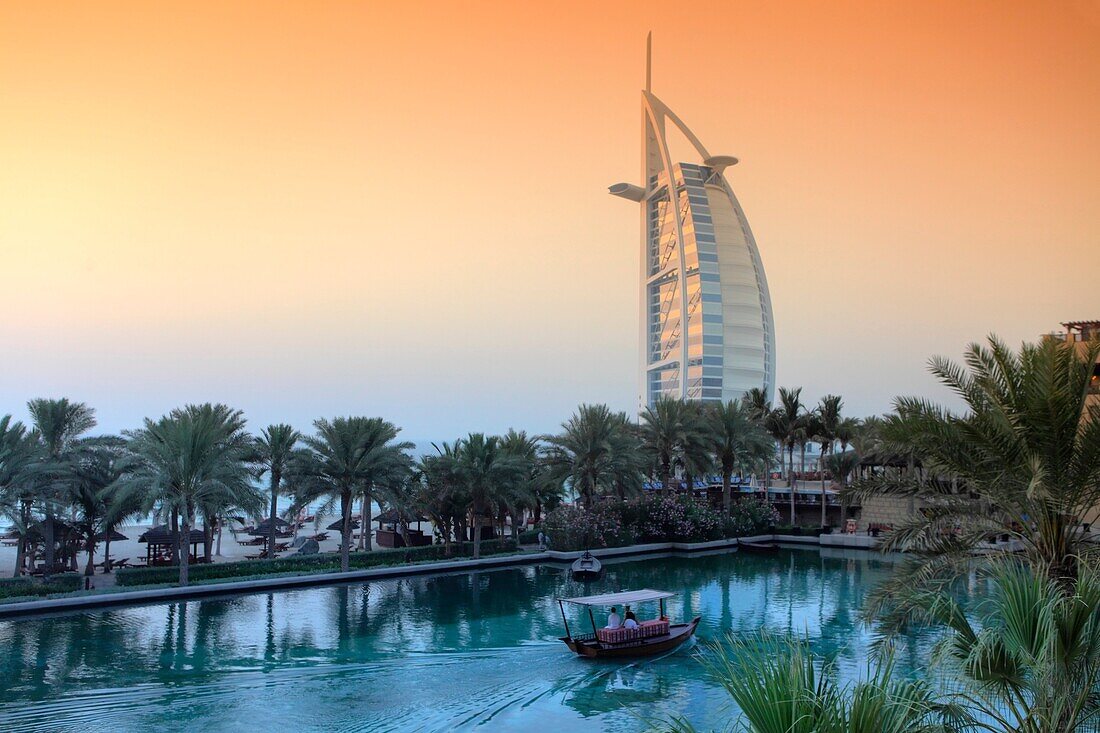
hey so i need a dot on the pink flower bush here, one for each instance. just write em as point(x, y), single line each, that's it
point(653, 518)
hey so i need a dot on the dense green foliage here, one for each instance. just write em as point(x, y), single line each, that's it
point(1022, 461)
point(29, 587)
point(653, 518)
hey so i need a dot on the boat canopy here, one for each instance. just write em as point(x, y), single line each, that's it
point(616, 599)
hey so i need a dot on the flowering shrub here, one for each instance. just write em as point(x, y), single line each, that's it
point(648, 518)
point(750, 516)
point(573, 528)
point(672, 519)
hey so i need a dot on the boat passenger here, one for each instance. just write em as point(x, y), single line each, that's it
point(630, 623)
point(628, 615)
point(613, 620)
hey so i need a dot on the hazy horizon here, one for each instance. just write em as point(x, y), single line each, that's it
point(309, 210)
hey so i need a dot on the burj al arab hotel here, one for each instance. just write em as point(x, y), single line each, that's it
point(706, 316)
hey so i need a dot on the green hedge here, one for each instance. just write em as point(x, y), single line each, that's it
point(529, 537)
point(319, 563)
point(25, 587)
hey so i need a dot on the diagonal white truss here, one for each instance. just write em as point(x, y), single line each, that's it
point(658, 171)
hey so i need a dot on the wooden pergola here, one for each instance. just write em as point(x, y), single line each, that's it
point(161, 544)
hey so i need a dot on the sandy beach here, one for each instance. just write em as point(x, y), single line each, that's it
point(232, 547)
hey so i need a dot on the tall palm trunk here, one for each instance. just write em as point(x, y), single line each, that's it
point(476, 519)
point(49, 539)
point(726, 480)
point(183, 546)
point(175, 527)
point(365, 526)
point(346, 500)
point(21, 551)
point(276, 477)
point(446, 528)
point(790, 477)
point(207, 536)
point(89, 547)
point(363, 523)
point(666, 478)
point(821, 470)
point(107, 550)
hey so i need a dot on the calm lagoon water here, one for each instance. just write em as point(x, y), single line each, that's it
point(429, 653)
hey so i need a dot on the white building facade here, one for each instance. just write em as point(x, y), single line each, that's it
point(707, 331)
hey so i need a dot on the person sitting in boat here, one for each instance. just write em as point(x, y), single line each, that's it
point(628, 615)
point(613, 620)
point(630, 623)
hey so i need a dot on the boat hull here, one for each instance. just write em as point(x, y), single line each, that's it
point(650, 646)
point(757, 549)
point(586, 569)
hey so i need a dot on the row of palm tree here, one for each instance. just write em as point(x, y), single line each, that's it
point(198, 466)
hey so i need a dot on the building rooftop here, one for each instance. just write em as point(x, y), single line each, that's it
point(1080, 325)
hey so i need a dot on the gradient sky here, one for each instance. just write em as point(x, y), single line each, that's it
point(399, 209)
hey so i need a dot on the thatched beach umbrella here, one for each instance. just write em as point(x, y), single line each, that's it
point(161, 541)
point(283, 528)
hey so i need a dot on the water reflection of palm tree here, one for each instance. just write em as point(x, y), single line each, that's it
point(269, 633)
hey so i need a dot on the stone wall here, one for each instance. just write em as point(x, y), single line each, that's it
point(891, 510)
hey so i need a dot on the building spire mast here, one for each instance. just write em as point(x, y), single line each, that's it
point(649, 61)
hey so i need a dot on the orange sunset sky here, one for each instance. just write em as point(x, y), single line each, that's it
point(308, 209)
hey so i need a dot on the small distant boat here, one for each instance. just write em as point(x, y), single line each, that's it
point(650, 637)
point(758, 549)
point(587, 568)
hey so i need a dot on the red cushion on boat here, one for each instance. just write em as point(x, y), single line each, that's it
point(644, 630)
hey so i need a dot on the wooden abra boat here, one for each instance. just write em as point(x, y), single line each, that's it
point(586, 567)
point(758, 549)
point(650, 637)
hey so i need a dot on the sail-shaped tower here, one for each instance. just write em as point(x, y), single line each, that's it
point(706, 316)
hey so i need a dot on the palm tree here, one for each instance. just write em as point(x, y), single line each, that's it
point(193, 457)
point(59, 424)
point(760, 407)
point(596, 453)
point(487, 473)
point(390, 466)
point(274, 448)
point(758, 403)
point(1030, 654)
point(627, 457)
point(781, 687)
point(737, 439)
point(783, 423)
point(95, 473)
point(342, 461)
point(670, 433)
point(440, 495)
point(791, 413)
point(20, 454)
point(828, 422)
point(529, 490)
point(1023, 461)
